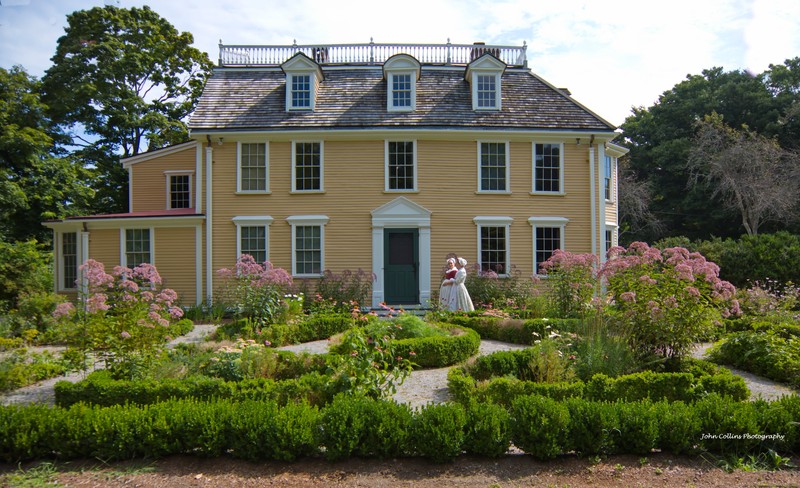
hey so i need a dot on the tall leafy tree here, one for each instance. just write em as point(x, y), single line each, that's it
point(123, 81)
point(660, 138)
point(37, 180)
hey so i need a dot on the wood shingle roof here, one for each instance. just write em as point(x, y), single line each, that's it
point(355, 98)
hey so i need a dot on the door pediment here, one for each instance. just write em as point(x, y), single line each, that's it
point(401, 212)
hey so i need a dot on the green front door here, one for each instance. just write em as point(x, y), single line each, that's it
point(401, 266)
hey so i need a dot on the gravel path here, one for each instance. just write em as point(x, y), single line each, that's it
point(420, 388)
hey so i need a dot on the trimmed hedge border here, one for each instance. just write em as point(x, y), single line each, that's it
point(355, 426)
point(647, 385)
point(100, 389)
point(515, 331)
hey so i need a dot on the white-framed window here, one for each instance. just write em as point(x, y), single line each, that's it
point(401, 166)
point(307, 170)
point(493, 170)
point(548, 235)
point(308, 245)
point(302, 92)
point(608, 178)
point(252, 236)
point(494, 243)
point(137, 246)
point(487, 91)
point(252, 167)
point(179, 189)
point(69, 260)
point(548, 167)
point(402, 93)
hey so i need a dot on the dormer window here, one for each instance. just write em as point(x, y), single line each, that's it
point(484, 76)
point(303, 77)
point(401, 72)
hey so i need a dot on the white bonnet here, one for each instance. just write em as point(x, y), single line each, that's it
point(451, 260)
point(462, 261)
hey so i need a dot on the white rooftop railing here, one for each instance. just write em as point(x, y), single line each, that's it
point(367, 54)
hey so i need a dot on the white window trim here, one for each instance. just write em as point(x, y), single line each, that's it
point(252, 221)
point(312, 81)
point(494, 221)
point(386, 167)
point(321, 166)
point(168, 175)
point(560, 169)
point(536, 222)
point(239, 169)
point(390, 91)
point(123, 251)
point(614, 228)
point(498, 94)
point(308, 220)
point(508, 168)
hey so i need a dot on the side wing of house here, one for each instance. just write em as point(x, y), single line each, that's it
point(163, 227)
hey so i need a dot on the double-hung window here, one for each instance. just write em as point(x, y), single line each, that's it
point(548, 164)
point(486, 91)
point(301, 92)
point(253, 169)
point(179, 190)
point(608, 178)
point(493, 243)
point(402, 91)
point(308, 244)
point(138, 247)
point(493, 160)
point(307, 169)
point(69, 260)
point(548, 235)
point(252, 237)
point(401, 165)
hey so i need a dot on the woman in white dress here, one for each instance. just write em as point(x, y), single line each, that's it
point(460, 299)
point(446, 290)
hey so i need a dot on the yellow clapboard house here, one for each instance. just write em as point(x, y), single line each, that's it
point(380, 157)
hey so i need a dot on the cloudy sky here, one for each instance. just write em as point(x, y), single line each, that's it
point(612, 55)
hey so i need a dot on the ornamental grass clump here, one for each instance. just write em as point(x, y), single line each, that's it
point(122, 317)
point(665, 301)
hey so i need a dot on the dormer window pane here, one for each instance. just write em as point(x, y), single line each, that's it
point(180, 191)
point(487, 91)
point(301, 91)
point(401, 90)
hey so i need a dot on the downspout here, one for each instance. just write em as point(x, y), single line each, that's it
point(209, 220)
point(592, 198)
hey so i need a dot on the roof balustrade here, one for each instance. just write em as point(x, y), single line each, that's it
point(371, 53)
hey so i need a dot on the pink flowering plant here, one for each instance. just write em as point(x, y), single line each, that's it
point(257, 292)
point(122, 317)
point(572, 281)
point(666, 300)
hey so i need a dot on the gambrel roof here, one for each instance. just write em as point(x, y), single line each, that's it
point(252, 99)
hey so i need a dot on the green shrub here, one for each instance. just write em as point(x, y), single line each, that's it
point(637, 428)
point(540, 426)
point(437, 432)
point(354, 425)
point(437, 351)
point(592, 427)
point(728, 426)
point(679, 427)
point(488, 430)
point(769, 354)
